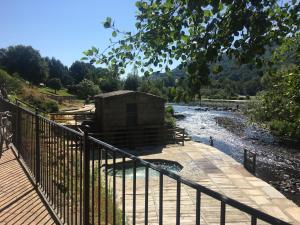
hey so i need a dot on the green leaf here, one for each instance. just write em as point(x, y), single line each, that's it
point(114, 34)
point(107, 22)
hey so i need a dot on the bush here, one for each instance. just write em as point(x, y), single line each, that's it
point(169, 109)
point(170, 121)
point(12, 85)
point(43, 104)
point(87, 88)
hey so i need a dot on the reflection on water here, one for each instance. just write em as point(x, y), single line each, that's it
point(277, 165)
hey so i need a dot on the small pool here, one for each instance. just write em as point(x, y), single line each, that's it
point(169, 165)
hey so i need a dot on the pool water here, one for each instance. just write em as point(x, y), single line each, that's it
point(168, 165)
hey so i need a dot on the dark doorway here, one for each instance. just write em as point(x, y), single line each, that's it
point(131, 114)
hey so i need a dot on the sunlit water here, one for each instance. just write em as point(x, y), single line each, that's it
point(140, 170)
point(277, 165)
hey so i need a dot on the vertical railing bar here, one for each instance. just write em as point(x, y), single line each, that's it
point(63, 191)
point(253, 220)
point(99, 185)
point(80, 184)
point(106, 188)
point(161, 180)
point(123, 191)
point(37, 148)
point(134, 194)
point(61, 171)
point(76, 178)
point(178, 203)
point(72, 179)
point(69, 175)
point(198, 206)
point(92, 183)
point(223, 210)
point(52, 146)
point(146, 193)
point(86, 179)
point(114, 188)
point(57, 170)
point(41, 155)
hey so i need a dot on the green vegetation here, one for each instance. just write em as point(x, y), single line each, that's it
point(170, 121)
point(25, 61)
point(55, 84)
point(196, 35)
point(87, 88)
point(50, 91)
point(13, 85)
point(279, 103)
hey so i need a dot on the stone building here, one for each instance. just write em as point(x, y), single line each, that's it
point(128, 116)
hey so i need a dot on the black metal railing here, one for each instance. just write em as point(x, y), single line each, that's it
point(83, 183)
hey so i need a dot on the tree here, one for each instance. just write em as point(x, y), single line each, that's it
point(279, 104)
point(110, 84)
point(132, 82)
point(87, 88)
point(197, 33)
point(25, 61)
point(80, 70)
point(55, 84)
point(58, 70)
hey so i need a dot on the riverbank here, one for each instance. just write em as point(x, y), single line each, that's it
point(276, 164)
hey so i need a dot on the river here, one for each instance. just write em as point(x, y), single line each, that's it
point(277, 165)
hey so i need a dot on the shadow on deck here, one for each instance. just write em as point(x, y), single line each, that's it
point(19, 201)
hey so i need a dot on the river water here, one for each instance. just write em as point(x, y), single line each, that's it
point(277, 165)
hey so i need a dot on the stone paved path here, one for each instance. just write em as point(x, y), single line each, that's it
point(19, 202)
point(215, 170)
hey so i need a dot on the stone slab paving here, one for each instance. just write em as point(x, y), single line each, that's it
point(215, 170)
point(19, 202)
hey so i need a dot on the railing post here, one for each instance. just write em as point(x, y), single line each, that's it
point(245, 157)
point(86, 179)
point(37, 147)
point(18, 128)
point(254, 163)
point(183, 133)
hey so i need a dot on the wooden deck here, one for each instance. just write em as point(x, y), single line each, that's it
point(19, 201)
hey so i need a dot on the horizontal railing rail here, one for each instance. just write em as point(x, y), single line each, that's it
point(142, 136)
point(81, 179)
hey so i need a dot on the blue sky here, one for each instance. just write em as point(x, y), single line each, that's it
point(62, 28)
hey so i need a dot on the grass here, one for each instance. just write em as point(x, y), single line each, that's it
point(50, 91)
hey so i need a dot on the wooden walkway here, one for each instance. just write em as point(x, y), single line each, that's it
point(19, 201)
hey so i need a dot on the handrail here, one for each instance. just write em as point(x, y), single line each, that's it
point(234, 203)
point(60, 146)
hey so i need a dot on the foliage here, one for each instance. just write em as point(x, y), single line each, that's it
point(80, 70)
point(132, 82)
point(110, 84)
point(25, 61)
point(58, 70)
point(169, 119)
point(197, 33)
point(34, 98)
point(279, 104)
point(61, 92)
point(155, 87)
point(87, 88)
point(12, 85)
point(55, 84)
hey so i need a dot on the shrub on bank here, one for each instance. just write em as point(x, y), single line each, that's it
point(12, 85)
point(170, 121)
